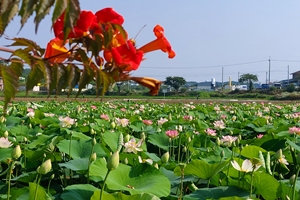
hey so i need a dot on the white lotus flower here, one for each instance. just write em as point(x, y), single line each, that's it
point(247, 166)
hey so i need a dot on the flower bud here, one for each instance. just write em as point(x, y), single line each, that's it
point(93, 157)
point(292, 179)
point(170, 117)
point(165, 157)
point(45, 167)
point(92, 131)
point(2, 119)
point(6, 134)
point(184, 149)
point(156, 165)
point(113, 161)
point(127, 138)
point(218, 141)
point(278, 154)
point(16, 153)
point(126, 161)
point(222, 154)
point(113, 125)
point(94, 141)
point(143, 136)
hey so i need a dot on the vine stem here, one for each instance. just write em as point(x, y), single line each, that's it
point(101, 193)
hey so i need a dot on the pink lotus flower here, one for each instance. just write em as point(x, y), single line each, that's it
point(93, 107)
point(294, 130)
point(105, 117)
point(66, 121)
point(5, 143)
point(210, 132)
point(122, 122)
point(188, 118)
point(219, 124)
point(172, 133)
point(259, 136)
point(147, 122)
point(228, 140)
point(161, 121)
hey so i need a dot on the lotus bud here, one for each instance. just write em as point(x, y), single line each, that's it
point(140, 118)
point(281, 177)
point(189, 139)
point(113, 125)
point(52, 176)
point(45, 167)
point(278, 154)
point(6, 134)
point(78, 109)
point(143, 136)
point(16, 153)
point(93, 131)
point(182, 166)
point(38, 169)
point(222, 154)
point(218, 141)
point(158, 129)
point(170, 117)
point(94, 141)
point(2, 119)
point(156, 166)
point(127, 138)
point(93, 157)
point(113, 161)
point(126, 161)
point(184, 149)
point(30, 126)
point(165, 157)
point(292, 179)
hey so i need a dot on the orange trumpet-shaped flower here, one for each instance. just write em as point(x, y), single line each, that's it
point(127, 57)
point(151, 83)
point(161, 43)
point(55, 51)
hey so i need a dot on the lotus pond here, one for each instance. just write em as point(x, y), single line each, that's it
point(143, 150)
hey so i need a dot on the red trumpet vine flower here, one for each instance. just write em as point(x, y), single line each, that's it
point(160, 43)
point(127, 57)
point(106, 15)
point(151, 83)
point(56, 52)
point(86, 20)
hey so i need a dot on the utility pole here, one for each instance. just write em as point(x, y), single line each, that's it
point(288, 74)
point(266, 77)
point(222, 76)
point(269, 70)
point(238, 78)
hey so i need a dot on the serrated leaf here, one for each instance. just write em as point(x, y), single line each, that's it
point(10, 75)
point(42, 10)
point(102, 81)
point(87, 76)
point(28, 43)
point(59, 8)
point(72, 13)
point(24, 55)
point(26, 11)
point(73, 77)
point(82, 54)
point(34, 77)
point(8, 11)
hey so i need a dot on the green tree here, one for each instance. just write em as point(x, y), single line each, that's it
point(175, 81)
point(249, 79)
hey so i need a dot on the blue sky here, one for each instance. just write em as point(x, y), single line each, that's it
point(238, 36)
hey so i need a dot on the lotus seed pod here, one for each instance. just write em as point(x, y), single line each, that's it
point(113, 161)
point(93, 157)
point(16, 153)
point(6, 134)
point(45, 167)
point(165, 157)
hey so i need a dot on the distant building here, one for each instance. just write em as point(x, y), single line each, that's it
point(1, 83)
point(296, 75)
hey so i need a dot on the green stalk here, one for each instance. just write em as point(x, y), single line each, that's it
point(252, 175)
point(294, 184)
point(179, 145)
point(101, 193)
point(36, 187)
point(9, 179)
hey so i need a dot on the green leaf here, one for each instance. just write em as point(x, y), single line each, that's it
point(121, 196)
point(202, 169)
point(79, 148)
point(73, 77)
point(5, 154)
point(78, 192)
point(102, 80)
point(10, 77)
point(251, 151)
point(142, 178)
point(72, 12)
point(28, 43)
point(24, 55)
point(59, 8)
point(86, 77)
point(8, 11)
point(36, 190)
point(42, 10)
point(111, 139)
point(79, 164)
point(159, 139)
point(26, 10)
point(265, 185)
point(26, 177)
point(34, 77)
point(217, 193)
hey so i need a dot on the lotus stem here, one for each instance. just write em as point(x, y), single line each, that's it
point(103, 187)
point(9, 179)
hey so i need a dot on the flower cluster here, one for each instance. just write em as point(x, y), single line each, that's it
point(102, 34)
